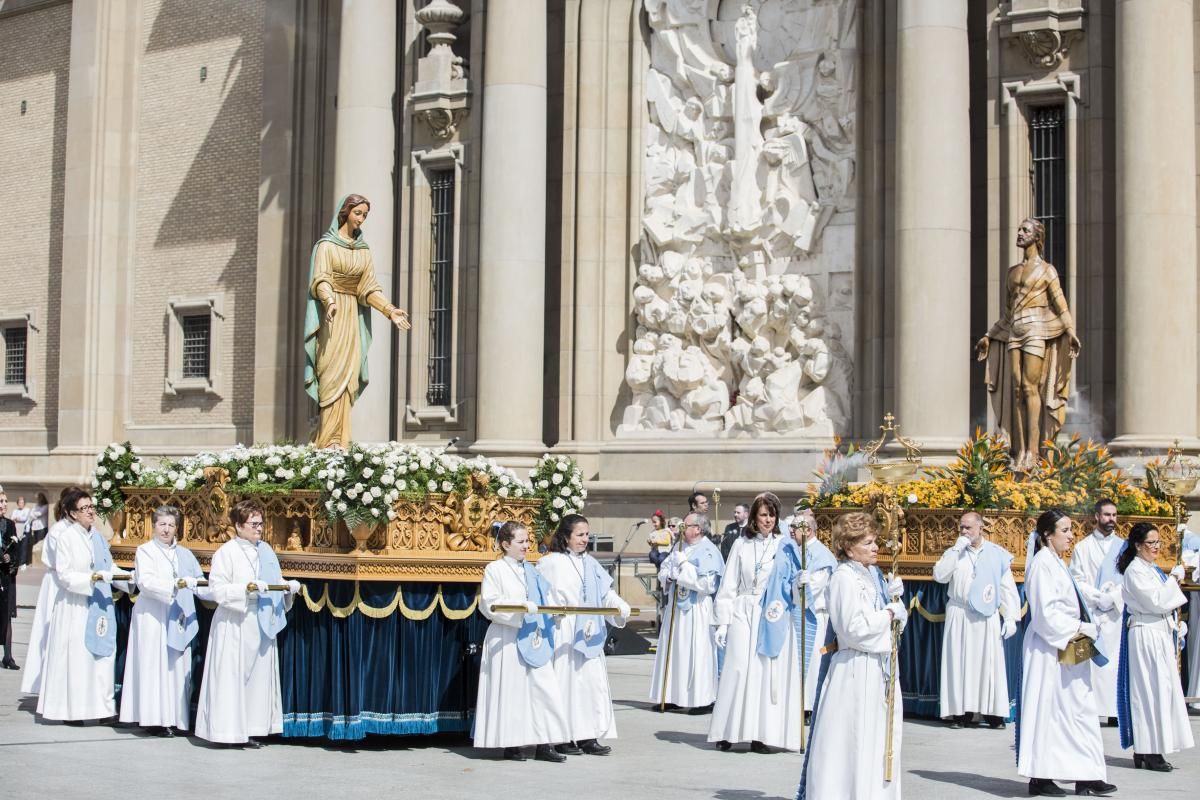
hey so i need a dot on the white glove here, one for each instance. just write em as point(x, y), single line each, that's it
point(1183, 629)
point(803, 578)
point(721, 636)
point(1105, 601)
point(293, 587)
point(624, 608)
point(899, 612)
point(190, 583)
point(895, 586)
point(1010, 628)
point(1177, 573)
point(961, 542)
point(1090, 630)
point(531, 607)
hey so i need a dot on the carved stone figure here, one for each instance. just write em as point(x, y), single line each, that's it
point(1029, 369)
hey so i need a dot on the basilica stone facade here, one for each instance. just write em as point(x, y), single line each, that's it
point(687, 242)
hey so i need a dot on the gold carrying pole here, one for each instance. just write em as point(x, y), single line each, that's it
point(671, 621)
point(803, 632)
point(562, 611)
point(890, 514)
point(716, 520)
point(1177, 480)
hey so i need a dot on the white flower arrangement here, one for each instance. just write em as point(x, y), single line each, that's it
point(559, 483)
point(117, 460)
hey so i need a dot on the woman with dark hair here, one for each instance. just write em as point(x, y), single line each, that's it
point(10, 564)
point(577, 579)
point(1058, 730)
point(81, 639)
point(519, 702)
point(157, 690)
point(1150, 707)
point(757, 695)
point(240, 695)
point(337, 324)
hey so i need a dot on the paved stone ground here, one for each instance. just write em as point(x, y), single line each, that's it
point(657, 756)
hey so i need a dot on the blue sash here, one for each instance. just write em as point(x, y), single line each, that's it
point(272, 615)
point(535, 638)
point(1124, 710)
point(990, 565)
point(1108, 572)
point(591, 631)
point(100, 635)
point(182, 621)
point(706, 558)
point(776, 601)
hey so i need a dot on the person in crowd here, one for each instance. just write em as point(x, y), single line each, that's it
point(1191, 559)
point(659, 538)
point(577, 579)
point(77, 681)
point(741, 518)
point(39, 517)
point(20, 517)
point(1103, 599)
point(757, 695)
point(1153, 718)
point(698, 502)
point(11, 538)
point(35, 654)
point(240, 695)
point(157, 689)
point(1058, 729)
point(816, 569)
point(981, 594)
point(689, 577)
point(849, 733)
point(520, 701)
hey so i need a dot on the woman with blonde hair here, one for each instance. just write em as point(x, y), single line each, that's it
point(849, 731)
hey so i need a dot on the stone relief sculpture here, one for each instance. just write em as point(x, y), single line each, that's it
point(747, 250)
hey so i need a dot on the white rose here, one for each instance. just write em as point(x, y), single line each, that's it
point(262, 477)
point(557, 502)
point(119, 475)
point(391, 514)
point(433, 486)
point(305, 470)
point(106, 485)
point(502, 491)
point(556, 479)
point(583, 494)
point(341, 507)
point(366, 473)
point(504, 480)
point(181, 484)
point(562, 466)
point(341, 474)
point(281, 473)
point(352, 494)
point(912, 498)
point(374, 512)
point(387, 478)
point(95, 483)
point(321, 474)
point(336, 493)
point(566, 491)
point(376, 460)
point(376, 491)
point(426, 462)
point(543, 484)
point(136, 467)
point(273, 461)
point(106, 502)
point(358, 456)
point(447, 486)
point(330, 485)
point(553, 517)
point(358, 487)
point(101, 471)
point(118, 451)
point(368, 498)
point(402, 485)
point(329, 505)
point(172, 475)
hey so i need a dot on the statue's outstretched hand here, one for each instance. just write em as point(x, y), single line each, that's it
point(982, 347)
point(1075, 346)
point(399, 318)
point(330, 311)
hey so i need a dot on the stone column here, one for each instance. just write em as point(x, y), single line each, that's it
point(932, 353)
point(1156, 224)
point(512, 235)
point(366, 165)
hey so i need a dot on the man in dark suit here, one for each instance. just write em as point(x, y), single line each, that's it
point(741, 516)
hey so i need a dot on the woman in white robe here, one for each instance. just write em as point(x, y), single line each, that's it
point(75, 684)
point(693, 571)
point(849, 734)
point(157, 689)
point(240, 694)
point(1158, 721)
point(35, 653)
point(757, 696)
point(518, 704)
point(815, 580)
point(579, 661)
point(1058, 729)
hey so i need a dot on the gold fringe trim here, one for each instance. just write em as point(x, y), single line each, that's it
point(397, 603)
point(915, 604)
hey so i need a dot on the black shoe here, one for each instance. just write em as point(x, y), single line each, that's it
point(995, 723)
point(760, 748)
point(724, 746)
point(517, 754)
point(700, 711)
point(969, 721)
point(165, 732)
point(1152, 761)
point(545, 752)
point(661, 707)
point(568, 749)
point(253, 744)
point(1094, 788)
point(8, 663)
point(1040, 787)
point(593, 748)
point(956, 723)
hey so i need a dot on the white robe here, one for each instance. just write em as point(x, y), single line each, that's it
point(1059, 727)
point(1193, 647)
point(517, 704)
point(35, 655)
point(973, 677)
point(75, 685)
point(757, 697)
point(692, 681)
point(1160, 719)
point(849, 736)
point(1086, 561)
point(583, 681)
point(240, 693)
point(158, 680)
point(819, 583)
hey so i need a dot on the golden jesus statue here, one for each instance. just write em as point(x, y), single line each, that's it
point(1029, 374)
point(337, 334)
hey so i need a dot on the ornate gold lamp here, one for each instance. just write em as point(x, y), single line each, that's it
point(889, 512)
point(1177, 477)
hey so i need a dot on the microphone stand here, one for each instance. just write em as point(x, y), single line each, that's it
point(632, 528)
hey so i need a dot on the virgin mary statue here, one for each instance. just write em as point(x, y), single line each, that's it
point(337, 322)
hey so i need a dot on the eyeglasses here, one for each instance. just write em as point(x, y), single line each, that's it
point(88, 509)
point(1155, 543)
point(690, 525)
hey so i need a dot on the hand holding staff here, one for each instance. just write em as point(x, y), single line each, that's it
point(562, 611)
